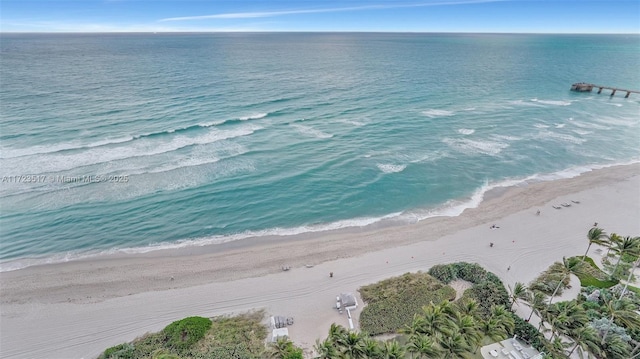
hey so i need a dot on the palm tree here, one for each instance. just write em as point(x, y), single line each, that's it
point(613, 239)
point(325, 349)
point(567, 316)
point(393, 350)
point(434, 320)
point(615, 347)
point(568, 266)
point(453, 346)
point(626, 284)
point(621, 312)
point(585, 339)
point(536, 301)
point(281, 348)
point(556, 347)
point(372, 348)
point(518, 292)
point(595, 235)
point(499, 325)
point(336, 332)
point(468, 307)
point(352, 345)
point(422, 346)
point(628, 245)
point(469, 329)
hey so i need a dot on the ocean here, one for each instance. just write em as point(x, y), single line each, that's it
point(130, 143)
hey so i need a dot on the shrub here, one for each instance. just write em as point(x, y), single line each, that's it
point(549, 279)
point(487, 294)
point(528, 333)
point(164, 355)
point(182, 334)
point(392, 303)
point(283, 349)
point(445, 273)
point(234, 337)
point(120, 351)
point(471, 272)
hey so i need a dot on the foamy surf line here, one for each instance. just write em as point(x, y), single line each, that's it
point(7, 153)
point(451, 208)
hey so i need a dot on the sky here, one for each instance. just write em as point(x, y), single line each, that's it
point(511, 16)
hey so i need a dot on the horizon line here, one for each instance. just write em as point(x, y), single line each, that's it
point(318, 32)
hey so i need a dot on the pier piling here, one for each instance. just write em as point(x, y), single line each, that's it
point(586, 87)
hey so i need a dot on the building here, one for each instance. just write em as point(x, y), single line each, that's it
point(511, 348)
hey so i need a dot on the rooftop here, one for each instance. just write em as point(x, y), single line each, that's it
point(511, 348)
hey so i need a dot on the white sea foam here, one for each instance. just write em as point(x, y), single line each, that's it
point(506, 137)
point(582, 132)
point(560, 125)
point(58, 162)
point(561, 136)
point(433, 113)
point(540, 125)
point(428, 157)
point(352, 122)
point(468, 146)
point(530, 103)
point(593, 126)
point(466, 131)
point(451, 208)
point(617, 121)
point(391, 168)
point(11, 265)
point(256, 116)
point(310, 131)
point(73, 145)
point(78, 145)
point(552, 102)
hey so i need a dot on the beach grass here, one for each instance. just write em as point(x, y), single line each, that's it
point(591, 275)
point(392, 303)
point(225, 337)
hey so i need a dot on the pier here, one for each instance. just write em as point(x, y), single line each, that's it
point(585, 87)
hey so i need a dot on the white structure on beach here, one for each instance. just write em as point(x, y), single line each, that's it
point(278, 324)
point(346, 301)
point(511, 348)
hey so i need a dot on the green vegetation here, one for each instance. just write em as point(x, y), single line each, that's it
point(553, 279)
point(590, 275)
point(182, 334)
point(471, 272)
point(283, 349)
point(392, 303)
point(444, 330)
point(603, 322)
point(238, 337)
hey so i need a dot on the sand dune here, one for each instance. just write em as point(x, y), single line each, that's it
point(77, 309)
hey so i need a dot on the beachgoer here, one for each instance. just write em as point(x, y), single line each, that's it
point(330, 274)
point(595, 224)
point(491, 244)
point(538, 213)
point(508, 268)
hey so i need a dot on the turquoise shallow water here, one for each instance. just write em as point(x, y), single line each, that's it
point(133, 142)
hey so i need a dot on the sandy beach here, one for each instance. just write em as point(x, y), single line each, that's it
point(77, 309)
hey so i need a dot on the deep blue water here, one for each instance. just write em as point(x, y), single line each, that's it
point(139, 141)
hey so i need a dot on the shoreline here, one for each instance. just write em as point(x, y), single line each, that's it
point(221, 243)
point(333, 246)
point(91, 300)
